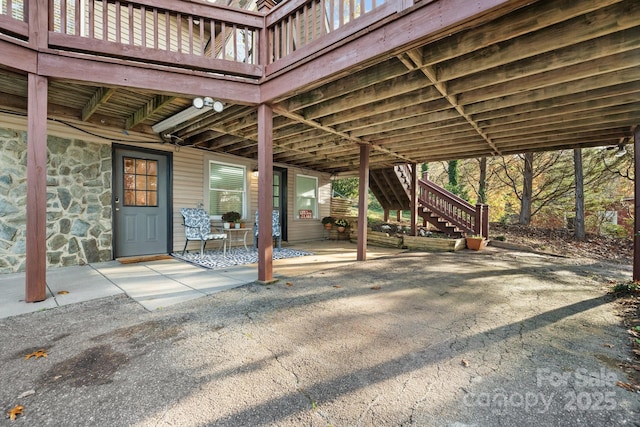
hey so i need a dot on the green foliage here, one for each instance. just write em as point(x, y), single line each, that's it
point(453, 185)
point(346, 187)
point(614, 230)
point(231, 216)
point(626, 288)
point(452, 172)
point(327, 220)
point(341, 222)
point(374, 204)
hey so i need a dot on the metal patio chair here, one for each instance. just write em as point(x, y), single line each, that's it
point(197, 226)
point(276, 231)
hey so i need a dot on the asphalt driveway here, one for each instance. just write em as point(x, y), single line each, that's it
point(453, 339)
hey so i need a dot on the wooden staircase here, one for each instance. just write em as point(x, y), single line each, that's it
point(437, 206)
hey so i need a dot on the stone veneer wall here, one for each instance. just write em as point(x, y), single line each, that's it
point(79, 229)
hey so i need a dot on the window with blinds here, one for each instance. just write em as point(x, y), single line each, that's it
point(306, 196)
point(227, 188)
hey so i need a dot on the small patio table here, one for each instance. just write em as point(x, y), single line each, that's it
point(237, 237)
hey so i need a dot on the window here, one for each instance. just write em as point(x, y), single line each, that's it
point(140, 182)
point(226, 188)
point(306, 196)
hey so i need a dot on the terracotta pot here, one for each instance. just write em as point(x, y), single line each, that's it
point(476, 244)
point(340, 229)
point(327, 226)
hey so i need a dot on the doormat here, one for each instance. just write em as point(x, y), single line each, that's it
point(235, 256)
point(142, 258)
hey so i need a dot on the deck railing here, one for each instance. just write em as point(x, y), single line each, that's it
point(199, 35)
point(191, 35)
point(298, 24)
point(468, 218)
point(14, 16)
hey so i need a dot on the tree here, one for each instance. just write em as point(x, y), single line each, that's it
point(345, 187)
point(579, 223)
point(482, 181)
point(453, 185)
point(538, 181)
point(527, 190)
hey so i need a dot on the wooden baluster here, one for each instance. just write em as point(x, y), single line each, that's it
point(131, 22)
point(91, 21)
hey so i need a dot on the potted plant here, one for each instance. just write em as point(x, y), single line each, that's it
point(476, 242)
point(231, 217)
point(327, 221)
point(341, 223)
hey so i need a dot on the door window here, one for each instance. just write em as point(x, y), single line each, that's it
point(140, 182)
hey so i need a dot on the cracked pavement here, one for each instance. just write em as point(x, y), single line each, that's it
point(493, 338)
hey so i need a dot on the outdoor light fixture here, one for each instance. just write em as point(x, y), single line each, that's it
point(621, 151)
point(200, 106)
point(208, 102)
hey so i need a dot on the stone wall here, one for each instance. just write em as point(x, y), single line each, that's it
point(79, 228)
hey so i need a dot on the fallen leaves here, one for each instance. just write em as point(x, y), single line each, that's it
point(376, 288)
point(628, 386)
point(337, 286)
point(15, 411)
point(37, 354)
point(464, 363)
point(289, 284)
point(63, 292)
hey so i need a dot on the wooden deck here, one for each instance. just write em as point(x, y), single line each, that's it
point(416, 82)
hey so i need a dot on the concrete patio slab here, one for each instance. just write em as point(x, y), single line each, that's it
point(459, 339)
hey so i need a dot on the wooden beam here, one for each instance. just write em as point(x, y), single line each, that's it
point(396, 108)
point(100, 97)
point(625, 76)
point(147, 110)
point(442, 88)
point(36, 252)
point(590, 50)
point(387, 89)
point(363, 202)
point(347, 137)
point(265, 194)
point(531, 18)
point(116, 74)
point(428, 21)
point(597, 68)
point(594, 24)
point(414, 199)
point(636, 221)
point(386, 203)
point(608, 92)
point(559, 111)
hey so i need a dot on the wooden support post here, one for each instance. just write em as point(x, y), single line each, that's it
point(386, 215)
point(36, 252)
point(265, 193)
point(38, 22)
point(414, 199)
point(485, 221)
point(363, 202)
point(398, 215)
point(636, 213)
point(479, 219)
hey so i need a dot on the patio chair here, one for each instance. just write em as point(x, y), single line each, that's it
point(276, 232)
point(197, 226)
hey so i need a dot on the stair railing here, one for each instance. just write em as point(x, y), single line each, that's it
point(468, 218)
